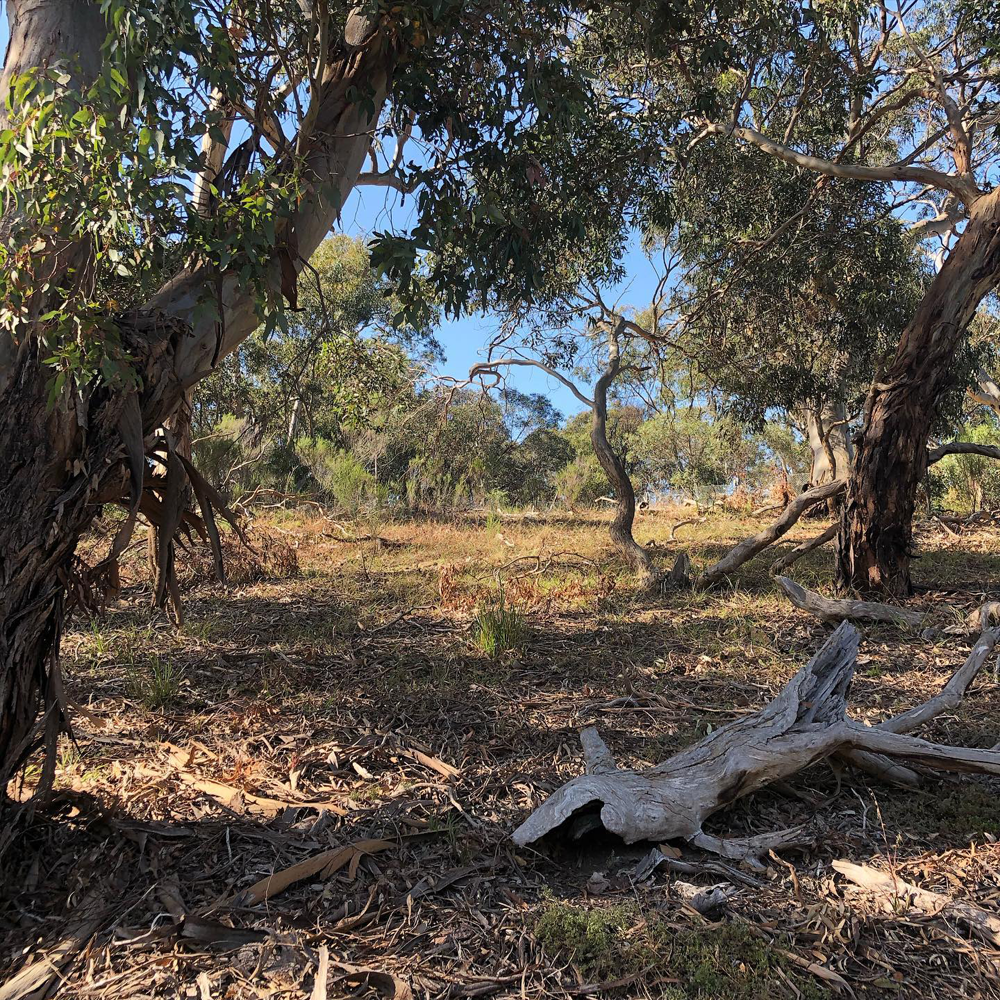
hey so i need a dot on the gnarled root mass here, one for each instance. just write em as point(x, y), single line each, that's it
point(807, 721)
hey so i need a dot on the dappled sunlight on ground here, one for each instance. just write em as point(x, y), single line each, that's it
point(294, 715)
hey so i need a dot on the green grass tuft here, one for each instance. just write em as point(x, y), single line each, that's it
point(155, 683)
point(500, 628)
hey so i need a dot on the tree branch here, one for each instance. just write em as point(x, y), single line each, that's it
point(490, 368)
point(960, 186)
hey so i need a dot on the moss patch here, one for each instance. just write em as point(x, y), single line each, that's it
point(723, 963)
point(966, 810)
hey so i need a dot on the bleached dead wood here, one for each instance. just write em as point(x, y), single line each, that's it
point(793, 555)
point(984, 616)
point(830, 610)
point(749, 547)
point(899, 894)
point(807, 721)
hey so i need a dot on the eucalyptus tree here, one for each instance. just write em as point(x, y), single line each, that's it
point(604, 346)
point(169, 167)
point(335, 360)
point(904, 97)
point(787, 301)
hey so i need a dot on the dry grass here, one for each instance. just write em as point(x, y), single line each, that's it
point(351, 700)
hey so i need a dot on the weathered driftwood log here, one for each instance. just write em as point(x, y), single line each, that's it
point(804, 723)
point(835, 611)
point(984, 616)
point(749, 547)
point(902, 896)
point(793, 555)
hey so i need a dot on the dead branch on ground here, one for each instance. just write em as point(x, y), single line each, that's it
point(829, 610)
point(806, 722)
point(749, 547)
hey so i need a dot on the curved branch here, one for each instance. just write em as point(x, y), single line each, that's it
point(962, 448)
point(749, 547)
point(490, 368)
point(783, 562)
point(960, 186)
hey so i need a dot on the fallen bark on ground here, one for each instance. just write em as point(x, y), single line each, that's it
point(894, 891)
point(806, 722)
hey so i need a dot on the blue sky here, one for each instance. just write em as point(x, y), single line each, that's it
point(370, 209)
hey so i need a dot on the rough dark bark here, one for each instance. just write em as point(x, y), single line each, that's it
point(621, 525)
point(61, 465)
point(874, 548)
point(56, 465)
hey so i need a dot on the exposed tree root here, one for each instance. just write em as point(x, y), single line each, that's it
point(806, 722)
point(835, 611)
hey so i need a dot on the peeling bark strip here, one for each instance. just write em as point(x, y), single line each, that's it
point(804, 723)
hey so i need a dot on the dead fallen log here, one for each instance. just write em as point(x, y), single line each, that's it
point(830, 610)
point(749, 547)
point(902, 896)
point(793, 555)
point(806, 722)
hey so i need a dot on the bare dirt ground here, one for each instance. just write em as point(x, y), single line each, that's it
point(307, 789)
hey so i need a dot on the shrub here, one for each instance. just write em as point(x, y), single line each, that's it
point(972, 482)
point(339, 474)
point(581, 481)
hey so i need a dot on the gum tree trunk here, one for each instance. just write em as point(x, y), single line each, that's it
point(829, 442)
point(874, 547)
point(60, 464)
point(614, 468)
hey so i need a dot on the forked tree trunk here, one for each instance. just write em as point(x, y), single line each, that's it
point(614, 468)
point(874, 547)
point(60, 464)
point(829, 441)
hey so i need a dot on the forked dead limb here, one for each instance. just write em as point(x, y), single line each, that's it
point(806, 722)
point(749, 547)
point(793, 555)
